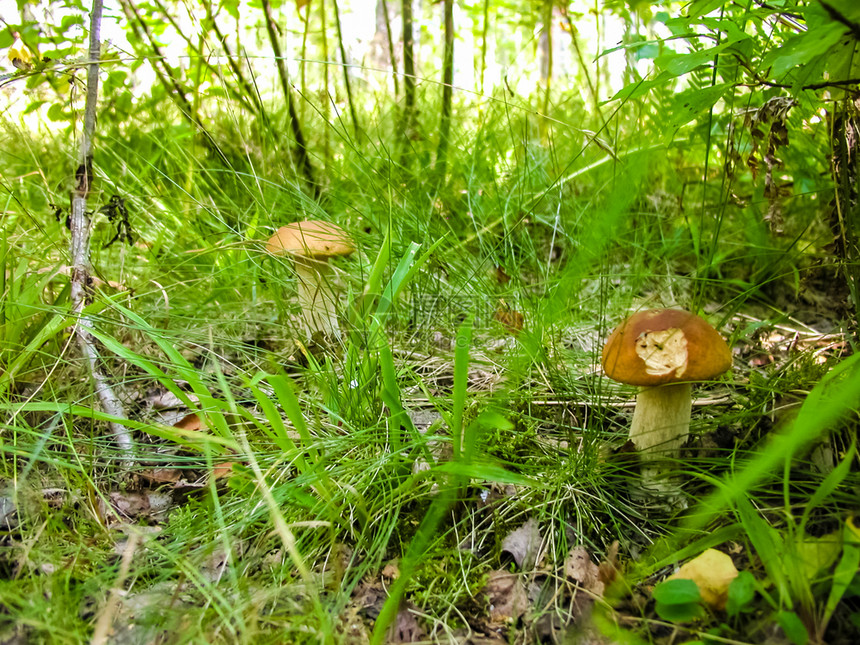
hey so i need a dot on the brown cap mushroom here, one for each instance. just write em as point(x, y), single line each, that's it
point(662, 346)
point(662, 351)
point(311, 244)
point(311, 239)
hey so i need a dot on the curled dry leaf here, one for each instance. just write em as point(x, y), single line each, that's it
point(608, 569)
point(366, 603)
point(224, 469)
point(510, 319)
point(391, 570)
point(579, 568)
point(150, 505)
point(165, 400)
point(189, 422)
point(406, 628)
point(713, 572)
point(162, 475)
point(506, 595)
point(522, 545)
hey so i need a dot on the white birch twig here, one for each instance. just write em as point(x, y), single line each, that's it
point(80, 245)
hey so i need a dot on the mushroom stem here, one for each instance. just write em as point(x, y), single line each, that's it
point(317, 299)
point(661, 424)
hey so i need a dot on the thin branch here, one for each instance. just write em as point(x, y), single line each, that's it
point(811, 86)
point(447, 91)
point(391, 53)
point(408, 117)
point(80, 244)
point(168, 78)
point(232, 61)
point(301, 151)
point(837, 16)
point(346, 82)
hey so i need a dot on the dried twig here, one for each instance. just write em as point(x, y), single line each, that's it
point(79, 224)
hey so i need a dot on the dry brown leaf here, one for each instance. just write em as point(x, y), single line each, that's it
point(712, 571)
point(579, 568)
point(507, 596)
point(162, 475)
point(351, 629)
point(510, 319)
point(190, 422)
point(149, 505)
point(368, 598)
point(392, 569)
point(522, 544)
point(224, 469)
point(160, 399)
point(608, 569)
point(405, 628)
point(465, 636)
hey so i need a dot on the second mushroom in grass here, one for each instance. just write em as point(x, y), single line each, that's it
point(663, 351)
point(312, 244)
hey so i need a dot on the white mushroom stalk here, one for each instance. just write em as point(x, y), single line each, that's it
point(311, 244)
point(317, 297)
point(660, 426)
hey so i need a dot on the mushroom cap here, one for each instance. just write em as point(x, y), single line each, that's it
point(310, 239)
point(661, 346)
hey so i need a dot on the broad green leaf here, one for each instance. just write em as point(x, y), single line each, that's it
point(484, 471)
point(801, 49)
point(768, 545)
point(793, 627)
point(703, 7)
point(461, 378)
point(690, 104)
point(283, 388)
point(648, 51)
point(741, 593)
point(677, 592)
point(70, 21)
point(678, 601)
point(679, 613)
point(833, 480)
point(56, 113)
point(640, 88)
point(846, 572)
point(398, 418)
point(679, 64)
point(231, 7)
point(815, 554)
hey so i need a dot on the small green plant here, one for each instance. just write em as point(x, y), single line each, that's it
point(678, 601)
point(797, 564)
point(31, 313)
point(742, 591)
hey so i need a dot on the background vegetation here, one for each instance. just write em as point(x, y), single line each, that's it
point(517, 177)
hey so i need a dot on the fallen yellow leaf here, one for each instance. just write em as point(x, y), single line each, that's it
point(713, 572)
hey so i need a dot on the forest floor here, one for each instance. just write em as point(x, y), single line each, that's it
point(293, 521)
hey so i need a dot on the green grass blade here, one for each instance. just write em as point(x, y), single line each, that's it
point(834, 395)
point(769, 547)
point(846, 570)
point(461, 381)
point(830, 484)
